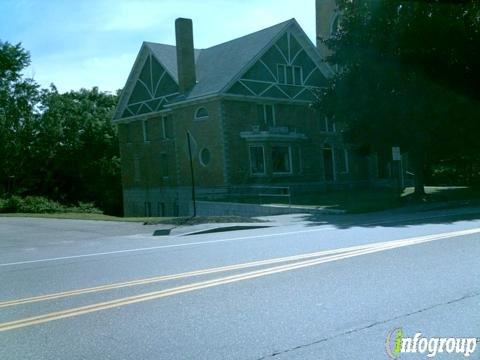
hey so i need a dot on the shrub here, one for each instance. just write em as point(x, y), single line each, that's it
point(42, 205)
point(85, 208)
point(30, 204)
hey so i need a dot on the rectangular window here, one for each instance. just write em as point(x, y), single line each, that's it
point(297, 75)
point(329, 124)
point(342, 160)
point(281, 73)
point(146, 130)
point(136, 170)
point(269, 115)
point(257, 160)
point(164, 164)
point(289, 75)
point(128, 133)
point(281, 160)
point(167, 130)
point(266, 114)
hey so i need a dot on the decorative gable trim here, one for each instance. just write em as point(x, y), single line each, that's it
point(259, 78)
point(142, 93)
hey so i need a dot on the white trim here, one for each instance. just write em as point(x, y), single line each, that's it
point(288, 47)
point(268, 88)
point(309, 75)
point(200, 118)
point(159, 81)
point(281, 53)
point(296, 55)
point(246, 87)
point(279, 67)
point(145, 131)
point(258, 56)
point(274, 119)
point(270, 71)
point(151, 74)
point(131, 80)
point(301, 75)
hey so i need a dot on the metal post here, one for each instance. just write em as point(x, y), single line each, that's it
point(193, 177)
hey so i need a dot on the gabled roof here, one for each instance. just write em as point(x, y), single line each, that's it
point(219, 66)
point(167, 56)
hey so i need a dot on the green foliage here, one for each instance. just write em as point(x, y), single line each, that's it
point(62, 146)
point(42, 205)
point(409, 78)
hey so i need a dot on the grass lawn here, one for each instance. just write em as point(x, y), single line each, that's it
point(353, 201)
point(145, 220)
point(359, 201)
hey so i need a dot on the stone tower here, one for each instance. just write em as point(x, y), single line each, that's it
point(327, 20)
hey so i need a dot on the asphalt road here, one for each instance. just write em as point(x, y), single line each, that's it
point(306, 288)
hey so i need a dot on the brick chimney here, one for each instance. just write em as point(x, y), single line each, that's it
point(185, 54)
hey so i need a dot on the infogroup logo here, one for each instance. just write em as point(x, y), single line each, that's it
point(397, 343)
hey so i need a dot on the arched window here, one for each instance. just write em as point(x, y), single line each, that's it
point(201, 113)
point(335, 25)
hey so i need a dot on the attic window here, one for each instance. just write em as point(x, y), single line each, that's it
point(201, 114)
point(289, 75)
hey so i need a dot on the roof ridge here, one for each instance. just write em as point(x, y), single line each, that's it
point(289, 21)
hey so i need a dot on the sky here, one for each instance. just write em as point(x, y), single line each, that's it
point(85, 43)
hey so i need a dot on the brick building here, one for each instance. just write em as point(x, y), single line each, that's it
point(246, 105)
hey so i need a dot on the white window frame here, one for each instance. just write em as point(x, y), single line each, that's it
point(145, 131)
point(284, 68)
point(165, 118)
point(264, 160)
point(289, 68)
point(301, 75)
point(290, 172)
point(274, 120)
point(199, 118)
point(334, 127)
point(163, 127)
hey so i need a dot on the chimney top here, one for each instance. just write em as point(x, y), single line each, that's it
point(185, 54)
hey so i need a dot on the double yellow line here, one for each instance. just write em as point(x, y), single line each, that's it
point(292, 263)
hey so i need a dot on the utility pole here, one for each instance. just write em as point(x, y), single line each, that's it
point(193, 176)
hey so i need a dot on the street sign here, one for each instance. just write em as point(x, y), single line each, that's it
point(396, 156)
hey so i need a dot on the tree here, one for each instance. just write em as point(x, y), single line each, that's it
point(18, 98)
point(62, 146)
point(408, 77)
point(77, 146)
